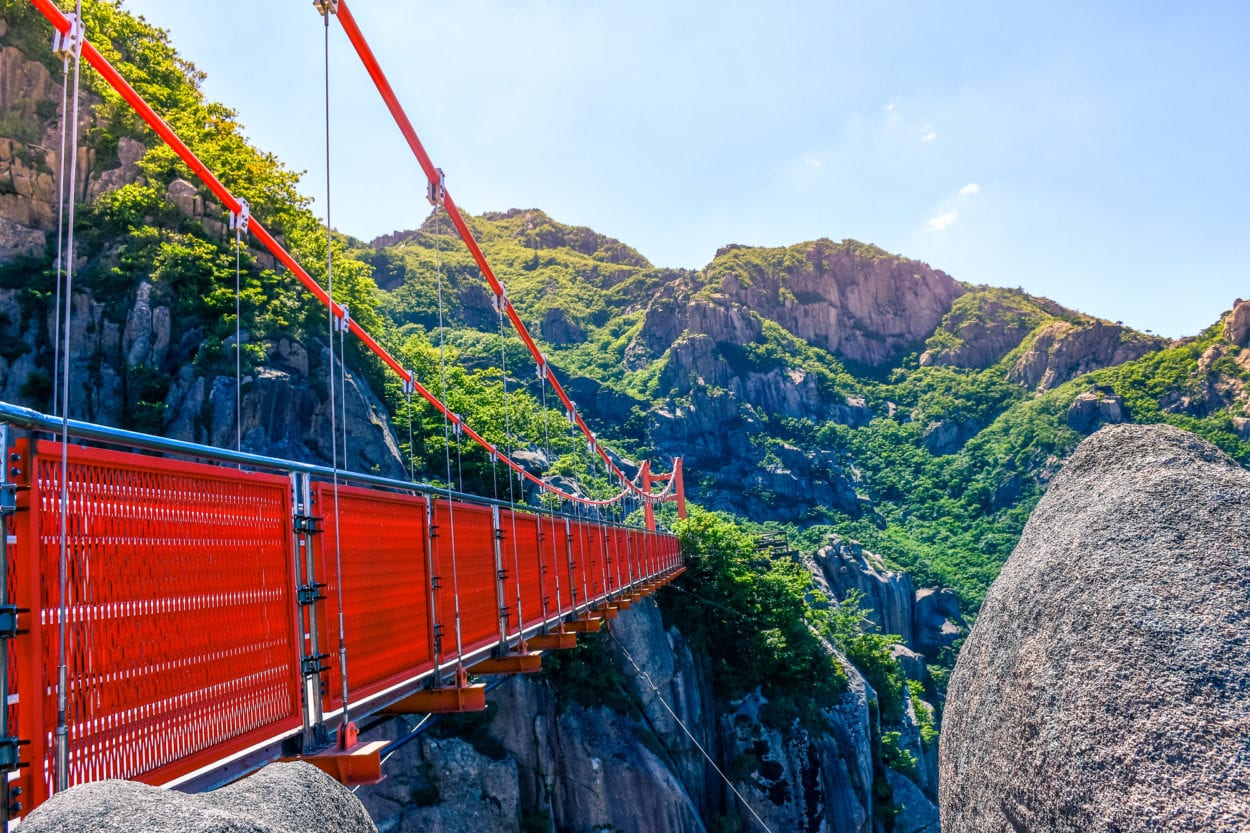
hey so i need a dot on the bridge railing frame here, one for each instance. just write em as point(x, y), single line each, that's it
point(587, 574)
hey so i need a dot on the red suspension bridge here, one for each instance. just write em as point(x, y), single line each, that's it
point(175, 617)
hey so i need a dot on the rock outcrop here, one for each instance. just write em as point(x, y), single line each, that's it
point(985, 325)
point(859, 303)
point(715, 432)
point(577, 767)
point(1090, 410)
point(281, 798)
point(928, 619)
point(841, 567)
point(1061, 351)
point(1106, 685)
point(1237, 324)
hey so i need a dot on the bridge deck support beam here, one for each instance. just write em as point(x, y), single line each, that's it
point(553, 641)
point(590, 624)
point(449, 700)
point(529, 662)
point(357, 765)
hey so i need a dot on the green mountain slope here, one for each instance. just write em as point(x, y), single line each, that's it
point(828, 385)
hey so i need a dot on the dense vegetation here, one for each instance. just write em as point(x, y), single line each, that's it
point(761, 623)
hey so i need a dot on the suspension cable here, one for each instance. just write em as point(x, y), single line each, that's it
point(507, 428)
point(646, 678)
point(60, 239)
point(238, 333)
point(412, 452)
point(434, 175)
point(61, 740)
point(63, 24)
point(442, 365)
point(335, 324)
point(544, 498)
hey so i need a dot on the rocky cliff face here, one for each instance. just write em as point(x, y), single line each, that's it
point(854, 301)
point(927, 619)
point(538, 762)
point(1061, 351)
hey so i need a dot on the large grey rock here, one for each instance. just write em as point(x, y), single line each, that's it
point(1106, 685)
point(281, 798)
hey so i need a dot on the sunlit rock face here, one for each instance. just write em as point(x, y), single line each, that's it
point(1106, 684)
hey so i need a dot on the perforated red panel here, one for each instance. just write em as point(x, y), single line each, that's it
point(471, 569)
point(385, 596)
point(594, 565)
point(525, 566)
point(582, 578)
point(618, 573)
point(180, 638)
point(556, 560)
point(635, 565)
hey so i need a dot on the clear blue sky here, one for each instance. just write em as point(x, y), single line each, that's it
point(1093, 152)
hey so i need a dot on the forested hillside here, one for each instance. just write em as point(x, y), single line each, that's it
point(825, 385)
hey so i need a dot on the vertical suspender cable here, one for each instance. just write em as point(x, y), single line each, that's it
point(412, 453)
point(507, 429)
point(238, 337)
point(334, 449)
point(60, 239)
point(551, 505)
point(61, 739)
point(343, 385)
point(442, 365)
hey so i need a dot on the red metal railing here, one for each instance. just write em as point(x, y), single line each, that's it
point(183, 603)
point(179, 613)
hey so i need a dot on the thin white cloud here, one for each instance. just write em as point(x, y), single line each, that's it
point(928, 136)
point(889, 107)
point(970, 190)
point(943, 220)
point(812, 163)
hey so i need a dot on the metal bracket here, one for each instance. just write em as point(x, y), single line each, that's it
point(326, 6)
point(410, 384)
point(10, 754)
point(343, 323)
point(68, 44)
point(240, 219)
point(306, 524)
point(436, 192)
point(8, 499)
point(308, 594)
point(8, 620)
point(500, 301)
point(311, 665)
